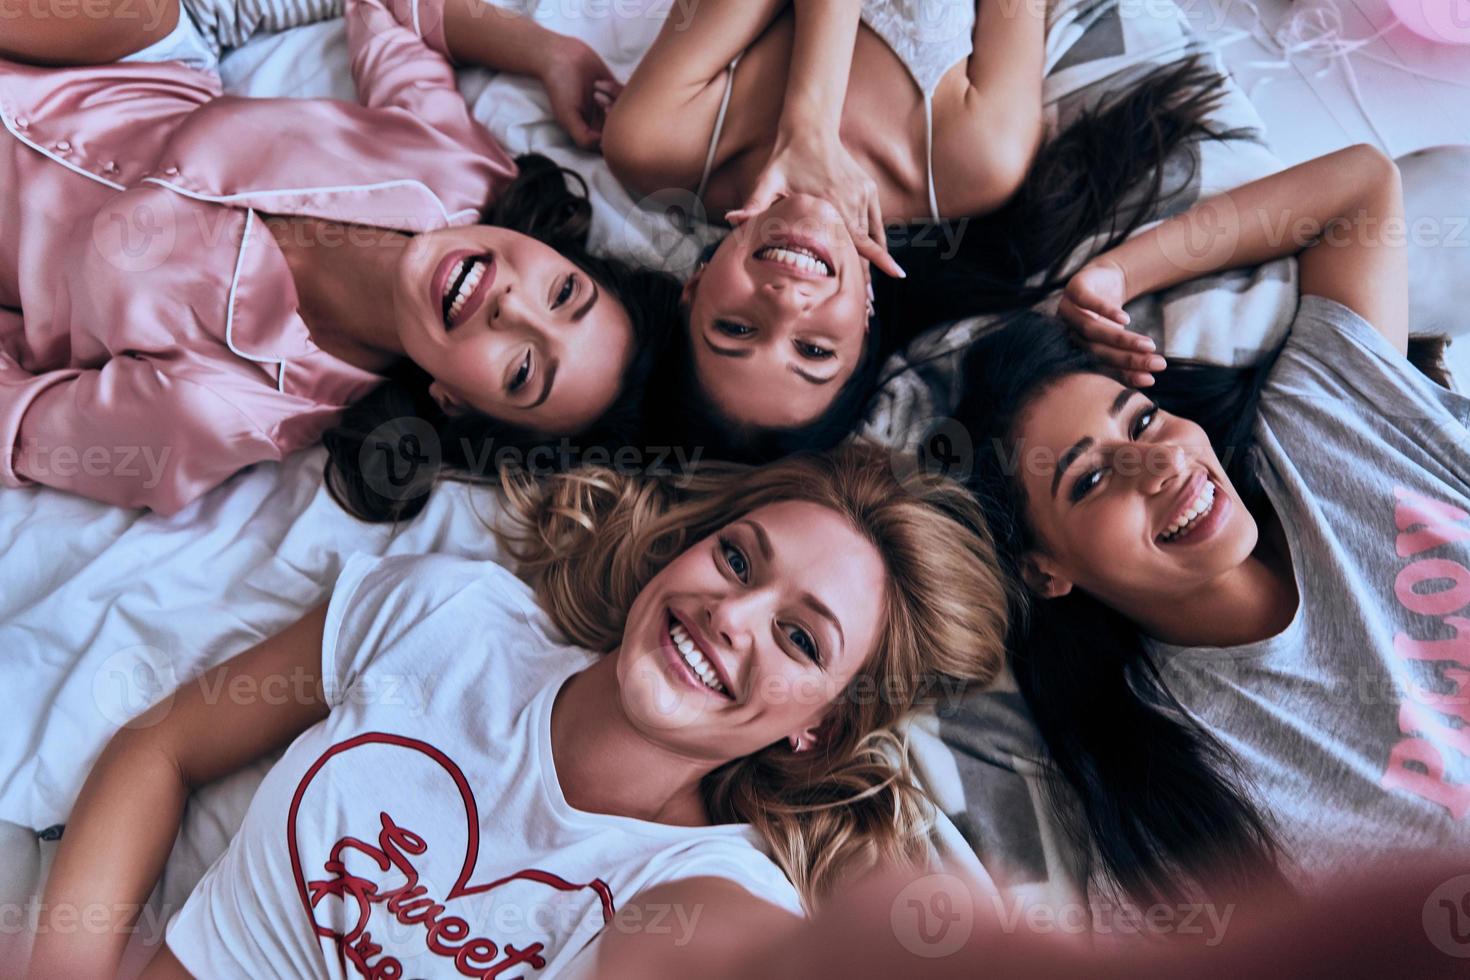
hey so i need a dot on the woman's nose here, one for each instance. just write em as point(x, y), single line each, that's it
point(729, 620)
point(788, 297)
point(512, 307)
point(1164, 465)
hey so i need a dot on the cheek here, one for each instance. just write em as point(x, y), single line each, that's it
point(470, 367)
point(792, 697)
point(1103, 542)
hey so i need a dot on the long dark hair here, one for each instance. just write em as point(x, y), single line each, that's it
point(1089, 181)
point(390, 448)
point(1163, 800)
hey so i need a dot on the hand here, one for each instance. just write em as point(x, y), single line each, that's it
point(1092, 305)
point(821, 167)
point(581, 88)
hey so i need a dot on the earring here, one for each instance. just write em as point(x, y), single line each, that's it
point(796, 745)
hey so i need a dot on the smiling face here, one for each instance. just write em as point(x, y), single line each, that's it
point(778, 316)
point(512, 328)
point(748, 637)
point(1136, 507)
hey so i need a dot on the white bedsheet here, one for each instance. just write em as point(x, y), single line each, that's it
point(103, 610)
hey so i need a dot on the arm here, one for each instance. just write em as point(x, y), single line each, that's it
point(808, 156)
point(420, 40)
point(693, 48)
point(127, 433)
point(821, 60)
point(895, 925)
point(127, 816)
point(50, 32)
point(1002, 123)
point(1343, 212)
point(726, 932)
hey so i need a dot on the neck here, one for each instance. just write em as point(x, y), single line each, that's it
point(344, 276)
point(592, 739)
point(1252, 602)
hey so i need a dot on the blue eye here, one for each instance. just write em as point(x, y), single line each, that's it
point(735, 559)
point(732, 329)
point(803, 641)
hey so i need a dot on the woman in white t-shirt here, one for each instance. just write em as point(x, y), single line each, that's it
point(469, 787)
point(1245, 654)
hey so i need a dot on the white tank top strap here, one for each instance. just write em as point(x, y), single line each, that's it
point(714, 140)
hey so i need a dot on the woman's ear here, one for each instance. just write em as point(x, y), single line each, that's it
point(691, 286)
point(447, 402)
point(1042, 575)
point(809, 738)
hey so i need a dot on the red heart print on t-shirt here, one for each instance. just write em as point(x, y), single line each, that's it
point(405, 858)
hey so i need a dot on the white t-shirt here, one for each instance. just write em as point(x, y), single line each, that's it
point(422, 822)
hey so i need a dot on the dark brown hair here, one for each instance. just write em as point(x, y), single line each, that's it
point(1111, 170)
point(378, 466)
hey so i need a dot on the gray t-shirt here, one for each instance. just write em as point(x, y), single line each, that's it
point(1353, 724)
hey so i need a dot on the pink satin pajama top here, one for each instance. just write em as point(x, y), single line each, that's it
point(150, 344)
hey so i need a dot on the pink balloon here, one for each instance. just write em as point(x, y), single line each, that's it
point(1443, 21)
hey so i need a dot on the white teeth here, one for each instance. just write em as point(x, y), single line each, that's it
point(695, 658)
point(1202, 505)
point(466, 288)
point(796, 257)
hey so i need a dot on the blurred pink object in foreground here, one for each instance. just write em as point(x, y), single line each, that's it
point(1444, 21)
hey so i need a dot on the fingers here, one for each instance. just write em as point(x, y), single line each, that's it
point(1129, 355)
point(1127, 368)
point(583, 134)
point(1135, 369)
point(872, 242)
point(1088, 300)
point(1095, 328)
point(1125, 362)
point(768, 191)
point(878, 255)
point(605, 91)
point(875, 222)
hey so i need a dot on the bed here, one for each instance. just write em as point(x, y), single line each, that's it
point(104, 610)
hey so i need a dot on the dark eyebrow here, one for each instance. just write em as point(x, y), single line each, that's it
point(591, 302)
point(1122, 400)
point(1085, 443)
point(811, 377)
point(726, 351)
point(762, 540)
point(1067, 459)
point(547, 378)
point(821, 610)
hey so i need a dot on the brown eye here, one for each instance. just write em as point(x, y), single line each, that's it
point(732, 329)
point(1144, 420)
point(568, 290)
point(519, 381)
point(1085, 484)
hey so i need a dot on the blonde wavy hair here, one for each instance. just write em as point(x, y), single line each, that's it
point(589, 540)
